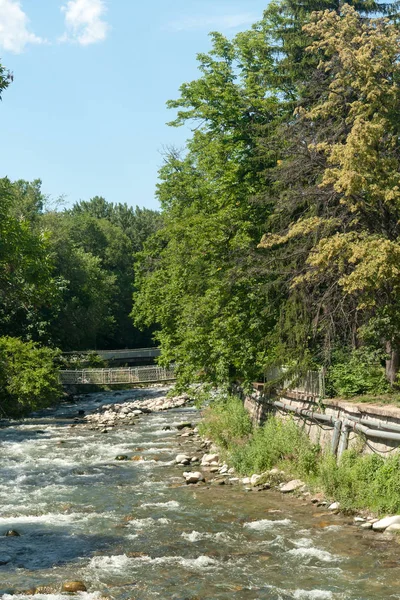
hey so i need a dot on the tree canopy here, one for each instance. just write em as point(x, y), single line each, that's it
point(280, 237)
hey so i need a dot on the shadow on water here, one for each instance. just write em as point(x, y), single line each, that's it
point(41, 547)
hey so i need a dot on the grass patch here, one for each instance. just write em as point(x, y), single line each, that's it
point(381, 399)
point(357, 481)
point(227, 423)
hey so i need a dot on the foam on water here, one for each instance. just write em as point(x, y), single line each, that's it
point(303, 543)
point(148, 522)
point(56, 518)
point(119, 564)
point(169, 504)
point(197, 536)
point(80, 595)
point(310, 553)
point(312, 595)
point(267, 524)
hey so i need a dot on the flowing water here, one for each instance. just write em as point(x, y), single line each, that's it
point(130, 530)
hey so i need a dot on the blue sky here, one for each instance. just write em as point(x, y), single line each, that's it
point(86, 112)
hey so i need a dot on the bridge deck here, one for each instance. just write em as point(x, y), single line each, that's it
point(117, 376)
point(120, 354)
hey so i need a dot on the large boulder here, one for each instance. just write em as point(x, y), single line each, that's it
point(383, 524)
point(291, 486)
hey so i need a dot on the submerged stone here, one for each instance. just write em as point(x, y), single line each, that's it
point(73, 586)
point(12, 533)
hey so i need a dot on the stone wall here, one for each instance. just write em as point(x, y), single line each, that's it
point(260, 404)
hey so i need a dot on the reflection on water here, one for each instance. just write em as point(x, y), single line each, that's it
point(131, 531)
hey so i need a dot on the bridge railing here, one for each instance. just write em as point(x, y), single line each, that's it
point(116, 376)
point(311, 383)
point(119, 354)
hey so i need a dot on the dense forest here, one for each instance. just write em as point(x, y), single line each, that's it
point(280, 243)
point(278, 240)
point(66, 283)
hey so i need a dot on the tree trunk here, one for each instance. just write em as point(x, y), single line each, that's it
point(392, 363)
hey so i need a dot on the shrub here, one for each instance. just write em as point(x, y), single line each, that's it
point(357, 373)
point(363, 481)
point(226, 422)
point(357, 481)
point(277, 442)
point(28, 376)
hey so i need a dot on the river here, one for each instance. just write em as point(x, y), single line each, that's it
point(131, 531)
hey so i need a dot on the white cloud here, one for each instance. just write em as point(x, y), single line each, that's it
point(213, 22)
point(84, 21)
point(14, 32)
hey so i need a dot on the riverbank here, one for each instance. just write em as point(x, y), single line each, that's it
point(367, 485)
point(133, 528)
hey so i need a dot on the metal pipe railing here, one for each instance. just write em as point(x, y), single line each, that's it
point(375, 423)
point(341, 429)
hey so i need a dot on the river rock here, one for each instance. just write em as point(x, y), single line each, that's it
point(334, 506)
point(193, 476)
point(210, 459)
point(366, 525)
point(115, 414)
point(45, 589)
point(182, 459)
point(12, 533)
point(383, 524)
point(255, 479)
point(395, 528)
point(73, 586)
point(183, 426)
point(121, 457)
point(291, 486)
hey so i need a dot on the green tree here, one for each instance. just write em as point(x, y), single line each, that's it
point(341, 215)
point(94, 245)
point(27, 281)
point(197, 279)
point(28, 377)
point(5, 79)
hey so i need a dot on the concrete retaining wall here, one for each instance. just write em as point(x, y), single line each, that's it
point(259, 405)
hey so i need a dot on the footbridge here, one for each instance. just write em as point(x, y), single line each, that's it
point(126, 354)
point(133, 375)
